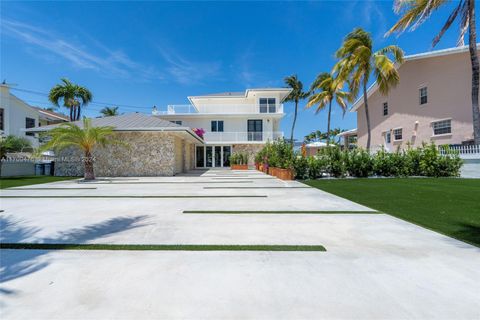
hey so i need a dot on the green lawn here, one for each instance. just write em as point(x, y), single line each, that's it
point(448, 206)
point(9, 182)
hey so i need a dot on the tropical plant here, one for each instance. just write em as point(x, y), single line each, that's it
point(240, 158)
point(325, 89)
point(358, 61)
point(86, 138)
point(72, 95)
point(295, 96)
point(414, 13)
point(13, 143)
point(109, 111)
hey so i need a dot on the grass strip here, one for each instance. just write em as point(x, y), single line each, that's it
point(141, 197)
point(166, 182)
point(257, 188)
point(10, 182)
point(160, 247)
point(91, 188)
point(277, 212)
point(239, 178)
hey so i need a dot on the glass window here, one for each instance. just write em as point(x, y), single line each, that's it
point(385, 108)
point(1, 119)
point(397, 134)
point(218, 156)
point(388, 137)
point(209, 157)
point(255, 130)
point(423, 95)
point(200, 158)
point(177, 122)
point(442, 127)
point(217, 126)
point(267, 105)
point(29, 123)
point(226, 156)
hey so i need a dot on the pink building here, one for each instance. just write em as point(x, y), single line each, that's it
point(432, 102)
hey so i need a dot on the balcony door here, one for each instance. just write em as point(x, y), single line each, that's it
point(255, 130)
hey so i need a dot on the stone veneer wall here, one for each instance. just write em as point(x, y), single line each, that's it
point(250, 149)
point(147, 154)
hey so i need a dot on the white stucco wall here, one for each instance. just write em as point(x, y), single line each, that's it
point(15, 111)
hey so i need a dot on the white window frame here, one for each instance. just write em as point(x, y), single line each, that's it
point(420, 96)
point(216, 126)
point(268, 105)
point(395, 136)
point(441, 134)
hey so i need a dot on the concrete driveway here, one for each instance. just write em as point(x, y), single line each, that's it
point(376, 266)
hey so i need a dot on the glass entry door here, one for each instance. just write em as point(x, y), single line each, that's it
point(213, 156)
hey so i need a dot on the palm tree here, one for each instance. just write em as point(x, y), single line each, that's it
point(73, 96)
point(416, 12)
point(109, 111)
point(358, 61)
point(296, 95)
point(325, 89)
point(85, 138)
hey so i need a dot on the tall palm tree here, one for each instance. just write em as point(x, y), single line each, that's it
point(72, 95)
point(358, 62)
point(85, 138)
point(296, 95)
point(325, 89)
point(416, 12)
point(109, 111)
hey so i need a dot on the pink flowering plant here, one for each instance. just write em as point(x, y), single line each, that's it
point(199, 132)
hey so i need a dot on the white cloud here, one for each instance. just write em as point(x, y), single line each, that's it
point(105, 61)
point(186, 71)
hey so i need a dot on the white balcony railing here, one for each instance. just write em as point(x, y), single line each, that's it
point(465, 152)
point(235, 137)
point(223, 108)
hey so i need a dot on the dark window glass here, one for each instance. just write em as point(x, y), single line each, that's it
point(217, 126)
point(423, 95)
point(388, 137)
point(385, 108)
point(200, 158)
point(214, 126)
point(263, 105)
point(271, 105)
point(226, 156)
point(209, 157)
point(218, 156)
point(29, 123)
point(255, 130)
point(442, 127)
point(220, 126)
point(1, 119)
point(177, 122)
point(397, 134)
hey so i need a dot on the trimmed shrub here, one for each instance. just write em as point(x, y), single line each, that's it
point(359, 163)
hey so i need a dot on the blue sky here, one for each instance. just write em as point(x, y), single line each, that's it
point(140, 54)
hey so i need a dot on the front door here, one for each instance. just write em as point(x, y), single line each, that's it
point(255, 130)
point(213, 156)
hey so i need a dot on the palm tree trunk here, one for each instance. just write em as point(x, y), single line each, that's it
point(78, 113)
point(475, 71)
point(328, 122)
point(71, 114)
point(88, 165)
point(367, 115)
point(294, 120)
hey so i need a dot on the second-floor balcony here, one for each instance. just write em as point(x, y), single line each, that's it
point(222, 109)
point(241, 137)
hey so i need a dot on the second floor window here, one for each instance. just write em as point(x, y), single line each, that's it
point(423, 95)
point(267, 105)
point(385, 108)
point(442, 127)
point(397, 134)
point(29, 123)
point(1, 120)
point(217, 126)
point(179, 122)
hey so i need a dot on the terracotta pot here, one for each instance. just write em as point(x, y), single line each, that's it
point(257, 166)
point(272, 171)
point(260, 167)
point(284, 174)
point(239, 167)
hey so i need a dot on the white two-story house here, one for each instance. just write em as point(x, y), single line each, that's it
point(232, 121)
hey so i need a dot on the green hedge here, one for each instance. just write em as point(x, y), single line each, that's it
point(422, 161)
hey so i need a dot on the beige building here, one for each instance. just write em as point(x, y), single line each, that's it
point(432, 102)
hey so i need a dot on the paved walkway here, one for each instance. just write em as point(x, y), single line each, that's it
point(376, 266)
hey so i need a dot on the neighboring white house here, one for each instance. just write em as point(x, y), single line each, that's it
point(232, 121)
point(16, 116)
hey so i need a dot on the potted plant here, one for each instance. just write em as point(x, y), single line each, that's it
point(239, 161)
